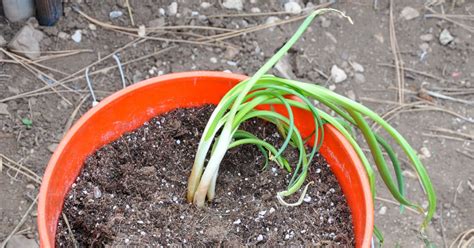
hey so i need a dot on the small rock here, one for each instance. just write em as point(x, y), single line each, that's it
point(3, 42)
point(77, 36)
point(351, 95)
point(205, 5)
point(173, 9)
point(231, 52)
point(332, 87)
point(3, 109)
point(115, 14)
point(30, 186)
point(161, 11)
point(158, 22)
point(359, 78)
point(284, 68)
point(20, 241)
point(325, 23)
point(426, 37)
point(92, 27)
point(409, 174)
point(62, 35)
point(424, 46)
point(293, 8)
point(357, 67)
point(383, 210)
point(271, 20)
point(255, 10)
point(337, 74)
point(97, 193)
point(238, 221)
point(260, 238)
point(26, 41)
point(409, 13)
point(233, 4)
point(424, 152)
point(52, 147)
point(213, 60)
point(379, 37)
point(445, 37)
point(141, 31)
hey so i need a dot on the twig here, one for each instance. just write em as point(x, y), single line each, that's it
point(22, 221)
point(73, 115)
point(444, 17)
point(428, 75)
point(443, 235)
point(448, 131)
point(34, 71)
point(440, 136)
point(465, 154)
point(461, 239)
point(21, 169)
point(71, 234)
point(444, 97)
point(396, 203)
point(397, 57)
point(130, 12)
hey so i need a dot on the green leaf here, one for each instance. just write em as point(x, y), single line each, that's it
point(27, 122)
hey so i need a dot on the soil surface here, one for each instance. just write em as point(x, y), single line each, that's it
point(132, 192)
point(330, 41)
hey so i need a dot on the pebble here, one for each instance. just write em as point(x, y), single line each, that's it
point(205, 5)
point(77, 36)
point(260, 237)
point(271, 20)
point(424, 46)
point(332, 87)
point(233, 4)
point(337, 74)
point(325, 23)
point(426, 37)
point(293, 8)
point(351, 95)
point(30, 186)
point(409, 174)
point(425, 152)
point(230, 53)
point(379, 37)
point(359, 78)
point(173, 9)
point(62, 35)
point(3, 42)
point(445, 37)
point(409, 13)
point(141, 31)
point(115, 14)
point(284, 68)
point(383, 210)
point(52, 147)
point(161, 11)
point(3, 109)
point(213, 60)
point(238, 221)
point(97, 192)
point(255, 10)
point(20, 241)
point(27, 40)
point(357, 67)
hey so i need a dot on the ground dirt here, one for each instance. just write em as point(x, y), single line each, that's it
point(330, 41)
point(132, 192)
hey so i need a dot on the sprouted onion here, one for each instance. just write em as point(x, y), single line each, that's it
point(240, 104)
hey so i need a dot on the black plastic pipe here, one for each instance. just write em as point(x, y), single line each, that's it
point(48, 12)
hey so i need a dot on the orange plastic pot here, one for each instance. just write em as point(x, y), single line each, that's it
point(129, 108)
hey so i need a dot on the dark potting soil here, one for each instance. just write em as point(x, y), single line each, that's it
point(132, 192)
